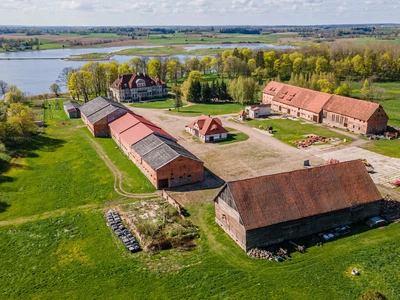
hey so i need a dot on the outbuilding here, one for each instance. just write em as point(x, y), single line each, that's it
point(72, 109)
point(258, 111)
point(207, 129)
point(270, 209)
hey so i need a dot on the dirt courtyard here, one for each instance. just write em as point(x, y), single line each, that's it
point(261, 154)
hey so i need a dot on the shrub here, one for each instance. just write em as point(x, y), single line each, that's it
point(373, 295)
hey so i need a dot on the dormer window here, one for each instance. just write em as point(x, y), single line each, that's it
point(140, 83)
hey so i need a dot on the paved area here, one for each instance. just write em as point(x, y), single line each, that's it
point(386, 169)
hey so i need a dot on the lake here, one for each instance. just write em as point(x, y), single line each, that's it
point(35, 71)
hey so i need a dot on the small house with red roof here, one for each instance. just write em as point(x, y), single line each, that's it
point(207, 129)
point(242, 115)
point(137, 87)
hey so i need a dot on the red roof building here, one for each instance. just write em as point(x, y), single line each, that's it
point(336, 111)
point(156, 153)
point(207, 129)
point(266, 210)
point(137, 87)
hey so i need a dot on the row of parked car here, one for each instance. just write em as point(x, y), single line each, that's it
point(334, 233)
point(114, 220)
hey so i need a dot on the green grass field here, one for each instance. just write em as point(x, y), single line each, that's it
point(234, 136)
point(77, 255)
point(212, 109)
point(162, 104)
point(389, 148)
point(289, 131)
point(54, 242)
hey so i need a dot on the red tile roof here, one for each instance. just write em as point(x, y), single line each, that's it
point(129, 81)
point(278, 198)
point(208, 125)
point(306, 99)
point(132, 128)
point(273, 88)
point(358, 109)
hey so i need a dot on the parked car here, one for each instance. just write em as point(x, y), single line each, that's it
point(376, 222)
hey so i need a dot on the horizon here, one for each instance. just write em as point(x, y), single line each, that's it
point(199, 12)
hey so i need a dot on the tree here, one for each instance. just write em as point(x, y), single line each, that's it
point(243, 90)
point(321, 65)
point(194, 91)
point(172, 69)
point(215, 64)
point(20, 121)
point(154, 67)
point(3, 87)
point(135, 64)
point(205, 62)
point(80, 83)
point(55, 89)
point(178, 97)
point(365, 92)
point(14, 95)
point(343, 90)
point(206, 92)
point(62, 79)
point(124, 69)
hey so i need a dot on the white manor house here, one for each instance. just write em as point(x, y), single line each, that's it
point(137, 87)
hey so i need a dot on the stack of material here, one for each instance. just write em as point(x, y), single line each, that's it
point(390, 208)
point(260, 254)
point(313, 139)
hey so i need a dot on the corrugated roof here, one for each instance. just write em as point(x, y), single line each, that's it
point(158, 151)
point(208, 125)
point(358, 109)
point(273, 199)
point(71, 105)
point(99, 108)
point(306, 99)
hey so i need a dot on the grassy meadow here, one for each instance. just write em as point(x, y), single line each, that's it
point(54, 242)
point(60, 256)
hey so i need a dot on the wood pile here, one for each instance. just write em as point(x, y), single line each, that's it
point(260, 254)
point(390, 208)
point(311, 140)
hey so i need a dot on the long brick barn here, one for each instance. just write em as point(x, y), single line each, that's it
point(270, 209)
point(156, 153)
point(335, 111)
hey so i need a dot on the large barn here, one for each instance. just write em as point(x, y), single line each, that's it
point(336, 111)
point(155, 152)
point(270, 209)
point(99, 112)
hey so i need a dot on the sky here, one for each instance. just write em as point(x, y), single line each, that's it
point(196, 12)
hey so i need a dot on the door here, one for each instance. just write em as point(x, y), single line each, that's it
point(298, 114)
point(162, 183)
point(315, 119)
point(211, 139)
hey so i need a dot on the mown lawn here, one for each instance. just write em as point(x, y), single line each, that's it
point(211, 109)
point(59, 169)
point(133, 179)
point(234, 136)
point(159, 104)
point(289, 131)
point(389, 148)
point(76, 255)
